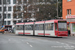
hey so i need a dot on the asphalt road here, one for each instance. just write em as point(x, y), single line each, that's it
point(15, 42)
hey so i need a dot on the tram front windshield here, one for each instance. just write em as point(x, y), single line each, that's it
point(62, 26)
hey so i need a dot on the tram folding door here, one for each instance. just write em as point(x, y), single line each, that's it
point(28, 29)
point(49, 29)
point(39, 28)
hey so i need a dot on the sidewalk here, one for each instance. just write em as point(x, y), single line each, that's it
point(6, 32)
point(72, 35)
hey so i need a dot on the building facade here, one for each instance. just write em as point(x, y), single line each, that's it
point(68, 13)
point(7, 11)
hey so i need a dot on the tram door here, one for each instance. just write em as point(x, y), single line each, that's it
point(56, 29)
point(49, 29)
point(28, 29)
point(39, 29)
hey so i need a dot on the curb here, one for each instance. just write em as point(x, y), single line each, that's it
point(72, 34)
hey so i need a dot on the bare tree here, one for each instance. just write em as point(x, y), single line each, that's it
point(39, 9)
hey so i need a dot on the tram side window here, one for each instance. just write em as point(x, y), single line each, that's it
point(49, 26)
point(19, 27)
point(56, 26)
point(28, 27)
point(39, 27)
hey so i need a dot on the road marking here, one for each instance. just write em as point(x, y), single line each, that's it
point(65, 47)
point(67, 44)
point(22, 40)
point(57, 42)
point(69, 48)
point(9, 40)
point(31, 46)
point(71, 42)
point(62, 43)
point(27, 43)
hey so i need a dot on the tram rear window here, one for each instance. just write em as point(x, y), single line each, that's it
point(19, 27)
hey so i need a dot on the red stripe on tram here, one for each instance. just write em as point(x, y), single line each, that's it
point(43, 34)
point(40, 33)
point(47, 34)
point(20, 33)
point(27, 33)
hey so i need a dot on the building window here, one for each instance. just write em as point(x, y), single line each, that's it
point(73, 27)
point(9, 8)
point(20, 15)
point(25, 1)
point(4, 1)
point(0, 16)
point(68, 0)
point(9, 15)
point(0, 2)
point(4, 16)
point(19, 8)
point(20, 1)
point(15, 16)
point(4, 22)
point(0, 9)
point(4, 8)
point(19, 21)
point(14, 1)
point(14, 22)
point(40, 0)
point(8, 1)
point(68, 11)
point(8, 22)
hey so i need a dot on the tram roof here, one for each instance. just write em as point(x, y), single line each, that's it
point(29, 23)
point(39, 22)
point(19, 23)
point(55, 20)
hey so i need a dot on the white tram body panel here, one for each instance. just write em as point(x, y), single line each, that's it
point(19, 31)
point(29, 28)
point(39, 28)
point(49, 28)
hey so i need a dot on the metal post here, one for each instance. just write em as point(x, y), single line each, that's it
point(22, 17)
point(57, 8)
point(7, 9)
point(22, 10)
point(2, 13)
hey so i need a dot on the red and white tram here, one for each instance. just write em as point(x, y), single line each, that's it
point(57, 28)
